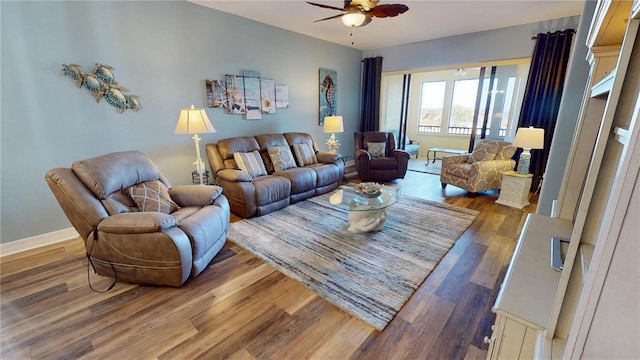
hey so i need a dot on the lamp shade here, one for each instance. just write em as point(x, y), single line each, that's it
point(333, 124)
point(353, 19)
point(193, 121)
point(529, 138)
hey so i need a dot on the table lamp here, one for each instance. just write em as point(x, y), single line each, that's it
point(527, 139)
point(333, 124)
point(194, 121)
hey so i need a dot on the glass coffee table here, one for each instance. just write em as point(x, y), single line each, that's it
point(366, 213)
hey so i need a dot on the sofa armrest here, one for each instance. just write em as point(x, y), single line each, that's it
point(362, 154)
point(195, 195)
point(454, 159)
point(327, 157)
point(137, 223)
point(498, 165)
point(400, 154)
point(234, 175)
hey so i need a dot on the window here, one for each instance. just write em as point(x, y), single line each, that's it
point(431, 106)
point(463, 104)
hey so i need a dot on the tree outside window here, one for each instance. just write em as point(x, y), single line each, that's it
point(431, 106)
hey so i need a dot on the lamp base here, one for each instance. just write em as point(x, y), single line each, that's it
point(333, 144)
point(524, 162)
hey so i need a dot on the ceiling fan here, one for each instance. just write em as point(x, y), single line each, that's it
point(361, 12)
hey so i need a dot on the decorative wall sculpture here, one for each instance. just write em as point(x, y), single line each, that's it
point(101, 83)
point(328, 93)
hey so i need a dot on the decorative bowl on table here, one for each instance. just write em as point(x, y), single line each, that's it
point(368, 189)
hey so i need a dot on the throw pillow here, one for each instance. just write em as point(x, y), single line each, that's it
point(376, 149)
point(251, 163)
point(152, 196)
point(281, 158)
point(304, 154)
point(483, 152)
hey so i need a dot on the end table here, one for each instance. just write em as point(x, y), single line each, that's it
point(515, 189)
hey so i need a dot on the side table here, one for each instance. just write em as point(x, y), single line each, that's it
point(515, 189)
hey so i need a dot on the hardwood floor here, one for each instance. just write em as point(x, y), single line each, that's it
point(241, 308)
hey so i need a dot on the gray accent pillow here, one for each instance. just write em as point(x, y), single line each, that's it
point(281, 158)
point(304, 154)
point(251, 163)
point(376, 149)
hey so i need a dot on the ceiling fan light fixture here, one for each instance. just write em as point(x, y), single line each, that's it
point(460, 72)
point(353, 19)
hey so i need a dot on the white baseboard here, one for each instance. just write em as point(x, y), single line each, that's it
point(37, 241)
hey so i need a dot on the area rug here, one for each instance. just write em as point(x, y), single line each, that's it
point(370, 275)
point(419, 165)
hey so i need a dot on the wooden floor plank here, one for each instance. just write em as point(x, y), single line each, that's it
point(242, 308)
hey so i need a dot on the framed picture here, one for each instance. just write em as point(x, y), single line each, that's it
point(282, 96)
point(216, 93)
point(328, 93)
point(268, 93)
point(252, 98)
point(235, 94)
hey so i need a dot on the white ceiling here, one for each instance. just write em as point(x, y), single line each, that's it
point(426, 19)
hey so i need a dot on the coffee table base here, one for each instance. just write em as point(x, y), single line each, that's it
point(367, 221)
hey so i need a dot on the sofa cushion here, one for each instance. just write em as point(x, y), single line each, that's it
point(251, 163)
point(485, 151)
point(302, 179)
point(376, 149)
point(326, 174)
point(305, 154)
point(281, 158)
point(153, 196)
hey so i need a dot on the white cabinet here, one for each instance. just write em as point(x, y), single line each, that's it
point(573, 312)
point(524, 303)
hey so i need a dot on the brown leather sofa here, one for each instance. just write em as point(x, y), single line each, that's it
point(175, 234)
point(273, 189)
point(390, 164)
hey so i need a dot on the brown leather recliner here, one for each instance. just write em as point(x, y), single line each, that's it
point(154, 247)
point(386, 164)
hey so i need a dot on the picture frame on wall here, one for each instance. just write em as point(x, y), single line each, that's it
point(282, 96)
point(328, 93)
point(252, 98)
point(235, 94)
point(268, 93)
point(216, 93)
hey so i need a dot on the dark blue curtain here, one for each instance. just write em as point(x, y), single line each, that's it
point(544, 91)
point(370, 108)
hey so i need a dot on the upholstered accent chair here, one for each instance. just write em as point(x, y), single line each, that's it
point(480, 170)
point(137, 227)
point(377, 158)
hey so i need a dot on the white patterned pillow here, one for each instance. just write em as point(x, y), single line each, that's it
point(304, 154)
point(251, 163)
point(376, 149)
point(281, 158)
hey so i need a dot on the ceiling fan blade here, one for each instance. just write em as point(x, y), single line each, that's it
point(330, 17)
point(389, 10)
point(325, 6)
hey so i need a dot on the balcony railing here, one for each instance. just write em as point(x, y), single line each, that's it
point(456, 130)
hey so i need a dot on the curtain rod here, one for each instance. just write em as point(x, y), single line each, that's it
point(571, 30)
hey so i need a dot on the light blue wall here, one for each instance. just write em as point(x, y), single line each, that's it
point(500, 44)
point(161, 51)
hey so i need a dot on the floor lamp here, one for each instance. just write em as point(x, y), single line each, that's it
point(195, 121)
